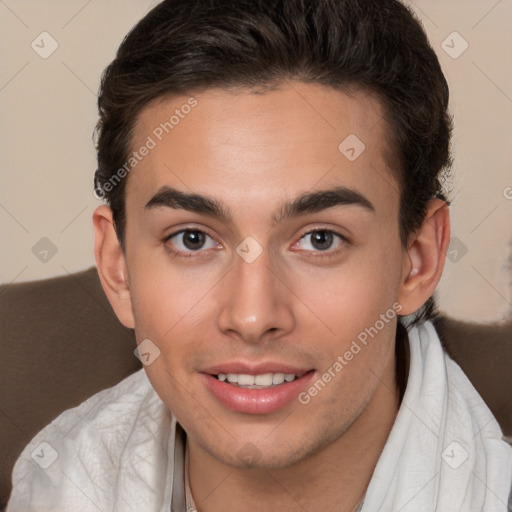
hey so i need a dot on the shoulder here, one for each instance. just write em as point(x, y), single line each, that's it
point(466, 404)
point(117, 408)
point(86, 451)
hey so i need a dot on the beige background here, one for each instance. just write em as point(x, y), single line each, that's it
point(47, 156)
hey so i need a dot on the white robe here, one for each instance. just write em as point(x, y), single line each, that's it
point(122, 450)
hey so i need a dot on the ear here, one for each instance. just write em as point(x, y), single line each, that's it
point(111, 264)
point(425, 257)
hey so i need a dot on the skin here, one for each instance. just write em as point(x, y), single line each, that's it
point(294, 304)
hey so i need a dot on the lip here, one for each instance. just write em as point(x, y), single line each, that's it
point(256, 401)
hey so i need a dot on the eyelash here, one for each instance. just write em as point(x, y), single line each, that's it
point(309, 254)
point(183, 254)
point(329, 253)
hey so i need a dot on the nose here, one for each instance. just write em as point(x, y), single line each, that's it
point(256, 304)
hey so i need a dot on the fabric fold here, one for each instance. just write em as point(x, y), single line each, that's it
point(445, 452)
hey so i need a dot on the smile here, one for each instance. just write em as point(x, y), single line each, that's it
point(256, 394)
point(261, 381)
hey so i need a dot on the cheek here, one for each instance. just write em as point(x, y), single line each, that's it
point(168, 308)
point(165, 295)
point(357, 307)
point(354, 294)
point(174, 307)
point(355, 302)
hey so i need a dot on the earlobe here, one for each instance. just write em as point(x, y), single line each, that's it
point(425, 258)
point(111, 264)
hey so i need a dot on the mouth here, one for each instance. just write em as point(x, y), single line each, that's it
point(257, 393)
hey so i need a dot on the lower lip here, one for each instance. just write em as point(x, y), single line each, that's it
point(256, 401)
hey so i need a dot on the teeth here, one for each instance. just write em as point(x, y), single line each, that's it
point(278, 378)
point(244, 380)
point(260, 380)
point(257, 381)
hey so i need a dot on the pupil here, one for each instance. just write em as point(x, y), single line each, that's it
point(322, 240)
point(193, 239)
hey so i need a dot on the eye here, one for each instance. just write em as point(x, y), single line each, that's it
point(320, 240)
point(191, 240)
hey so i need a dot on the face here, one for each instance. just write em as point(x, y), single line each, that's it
point(256, 245)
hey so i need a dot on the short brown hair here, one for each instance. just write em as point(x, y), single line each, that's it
point(185, 46)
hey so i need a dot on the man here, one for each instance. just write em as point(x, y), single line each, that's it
point(272, 171)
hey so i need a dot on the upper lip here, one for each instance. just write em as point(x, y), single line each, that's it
point(240, 367)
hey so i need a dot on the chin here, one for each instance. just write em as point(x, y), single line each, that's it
point(265, 454)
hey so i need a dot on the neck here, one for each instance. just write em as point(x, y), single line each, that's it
point(335, 478)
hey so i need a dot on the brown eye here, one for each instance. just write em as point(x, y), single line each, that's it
point(191, 240)
point(320, 240)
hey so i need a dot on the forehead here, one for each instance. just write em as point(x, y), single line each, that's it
point(245, 146)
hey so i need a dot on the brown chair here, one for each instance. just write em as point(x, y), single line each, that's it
point(484, 352)
point(61, 343)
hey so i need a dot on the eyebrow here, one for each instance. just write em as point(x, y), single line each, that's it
point(311, 202)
